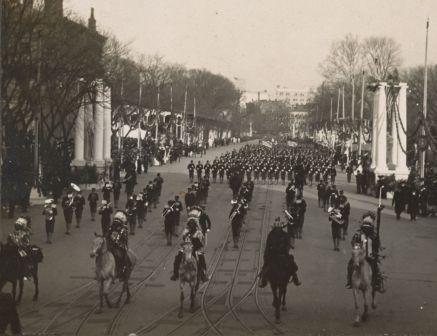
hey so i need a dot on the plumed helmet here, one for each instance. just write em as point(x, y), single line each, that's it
point(21, 223)
point(48, 201)
point(368, 217)
point(120, 216)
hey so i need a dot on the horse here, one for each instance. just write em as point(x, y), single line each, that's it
point(361, 282)
point(188, 274)
point(105, 271)
point(13, 269)
point(279, 275)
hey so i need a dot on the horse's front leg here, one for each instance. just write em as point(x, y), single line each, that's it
point(357, 311)
point(181, 307)
point(127, 293)
point(192, 297)
point(284, 294)
point(123, 288)
point(36, 283)
point(14, 291)
point(366, 306)
point(276, 303)
point(20, 289)
point(106, 285)
point(373, 299)
point(99, 309)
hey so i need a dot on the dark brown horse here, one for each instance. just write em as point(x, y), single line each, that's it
point(13, 269)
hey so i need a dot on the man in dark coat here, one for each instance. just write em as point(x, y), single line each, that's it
point(79, 203)
point(93, 198)
point(105, 211)
point(68, 206)
point(413, 204)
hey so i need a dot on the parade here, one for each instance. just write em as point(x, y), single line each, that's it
point(153, 187)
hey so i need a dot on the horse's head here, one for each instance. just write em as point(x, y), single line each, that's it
point(357, 255)
point(187, 248)
point(99, 245)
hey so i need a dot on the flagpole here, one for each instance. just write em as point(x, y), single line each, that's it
point(360, 127)
point(185, 115)
point(338, 104)
point(157, 117)
point(425, 103)
point(330, 113)
point(342, 103)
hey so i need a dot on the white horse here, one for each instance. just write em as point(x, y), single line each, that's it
point(188, 274)
point(105, 271)
point(361, 282)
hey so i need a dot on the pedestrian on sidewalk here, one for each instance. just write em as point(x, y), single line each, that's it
point(50, 213)
point(79, 203)
point(93, 198)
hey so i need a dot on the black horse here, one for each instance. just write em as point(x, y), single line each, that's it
point(13, 268)
point(278, 275)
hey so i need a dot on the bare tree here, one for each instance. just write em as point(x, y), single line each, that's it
point(382, 55)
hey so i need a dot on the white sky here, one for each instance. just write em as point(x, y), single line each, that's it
point(265, 42)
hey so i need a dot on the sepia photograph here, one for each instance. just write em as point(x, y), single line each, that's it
point(218, 168)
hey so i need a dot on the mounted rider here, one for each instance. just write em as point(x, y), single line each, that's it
point(193, 233)
point(367, 237)
point(118, 238)
point(278, 245)
point(20, 239)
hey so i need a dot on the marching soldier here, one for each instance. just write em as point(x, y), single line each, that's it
point(106, 190)
point(199, 168)
point(79, 203)
point(50, 213)
point(169, 221)
point(105, 211)
point(191, 167)
point(93, 198)
point(178, 209)
point(68, 207)
point(131, 213)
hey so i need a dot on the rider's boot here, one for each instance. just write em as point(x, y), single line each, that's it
point(176, 264)
point(349, 274)
point(263, 277)
point(296, 280)
point(202, 268)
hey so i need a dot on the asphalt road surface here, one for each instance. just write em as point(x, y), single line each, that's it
point(231, 303)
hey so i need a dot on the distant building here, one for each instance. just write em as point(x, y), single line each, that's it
point(293, 96)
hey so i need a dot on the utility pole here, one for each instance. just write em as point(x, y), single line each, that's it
point(360, 127)
point(422, 157)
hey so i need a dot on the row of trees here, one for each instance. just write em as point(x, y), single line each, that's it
point(374, 59)
point(51, 62)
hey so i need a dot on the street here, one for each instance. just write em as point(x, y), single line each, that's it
point(231, 302)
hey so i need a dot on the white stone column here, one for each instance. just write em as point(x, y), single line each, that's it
point(107, 127)
point(394, 136)
point(98, 127)
point(380, 130)
point(79, 137)
point(402, 170)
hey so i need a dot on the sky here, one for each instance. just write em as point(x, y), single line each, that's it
point(264, 43)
